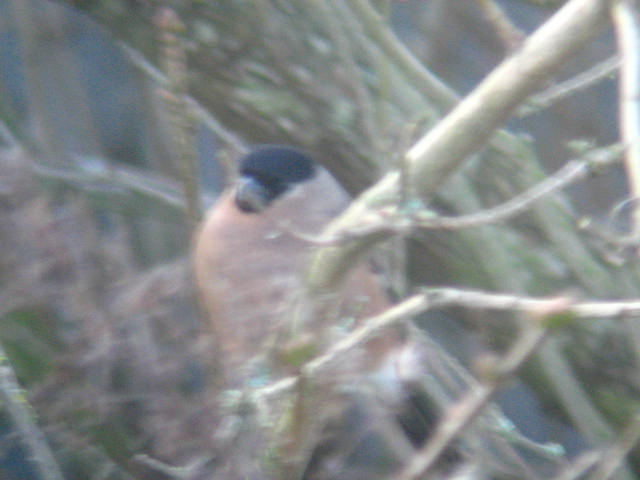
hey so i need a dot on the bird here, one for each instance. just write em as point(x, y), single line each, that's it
point(375, 408)
point(250, 260)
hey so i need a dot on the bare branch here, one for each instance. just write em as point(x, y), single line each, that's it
point(465, 129)
point(572, 172)
point(604, 463)
point(462, 414)
point(428, 84)
point(510, 35)
point(580, 466)
point(184, 472)
point(614, 457)
point(121, 187)
point(396, 221)
point(12, 398)
point(474, 299)
point(175, 64)
point(412, 306)
point(569, 87)
point(435, 298)
point(470, 124)
point(199, 112)
point(627, 21)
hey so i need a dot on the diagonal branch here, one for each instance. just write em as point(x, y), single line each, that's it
point(466, 410)
point(626, 16)
point(438, 298)
point(11, 397)
point(466, 129)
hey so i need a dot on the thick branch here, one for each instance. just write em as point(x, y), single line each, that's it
point(627, 19)
point(469, 126)
point(466, 128)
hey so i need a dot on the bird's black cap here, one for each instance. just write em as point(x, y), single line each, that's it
point(268, 171)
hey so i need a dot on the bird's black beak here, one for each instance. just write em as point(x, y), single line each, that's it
point(251, 196)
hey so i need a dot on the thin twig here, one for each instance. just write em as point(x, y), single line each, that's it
point(175, 63)
point(12, 397)
point(569, 87)
point(406, 309)
point(580, 466)
point(123, 186)
point(572, 172)
point(7, 136)
point(614, 456)
point(435, 298)
point(410, 307)
point(428, 84)
point(396, 221)
point(604, 463)
point(336, 23)
point(479, 300)
point(510, 35)
point(196, 109)
point(465, 411)
point(184, 472)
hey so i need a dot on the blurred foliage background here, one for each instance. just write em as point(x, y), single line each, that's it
point(98, 314)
